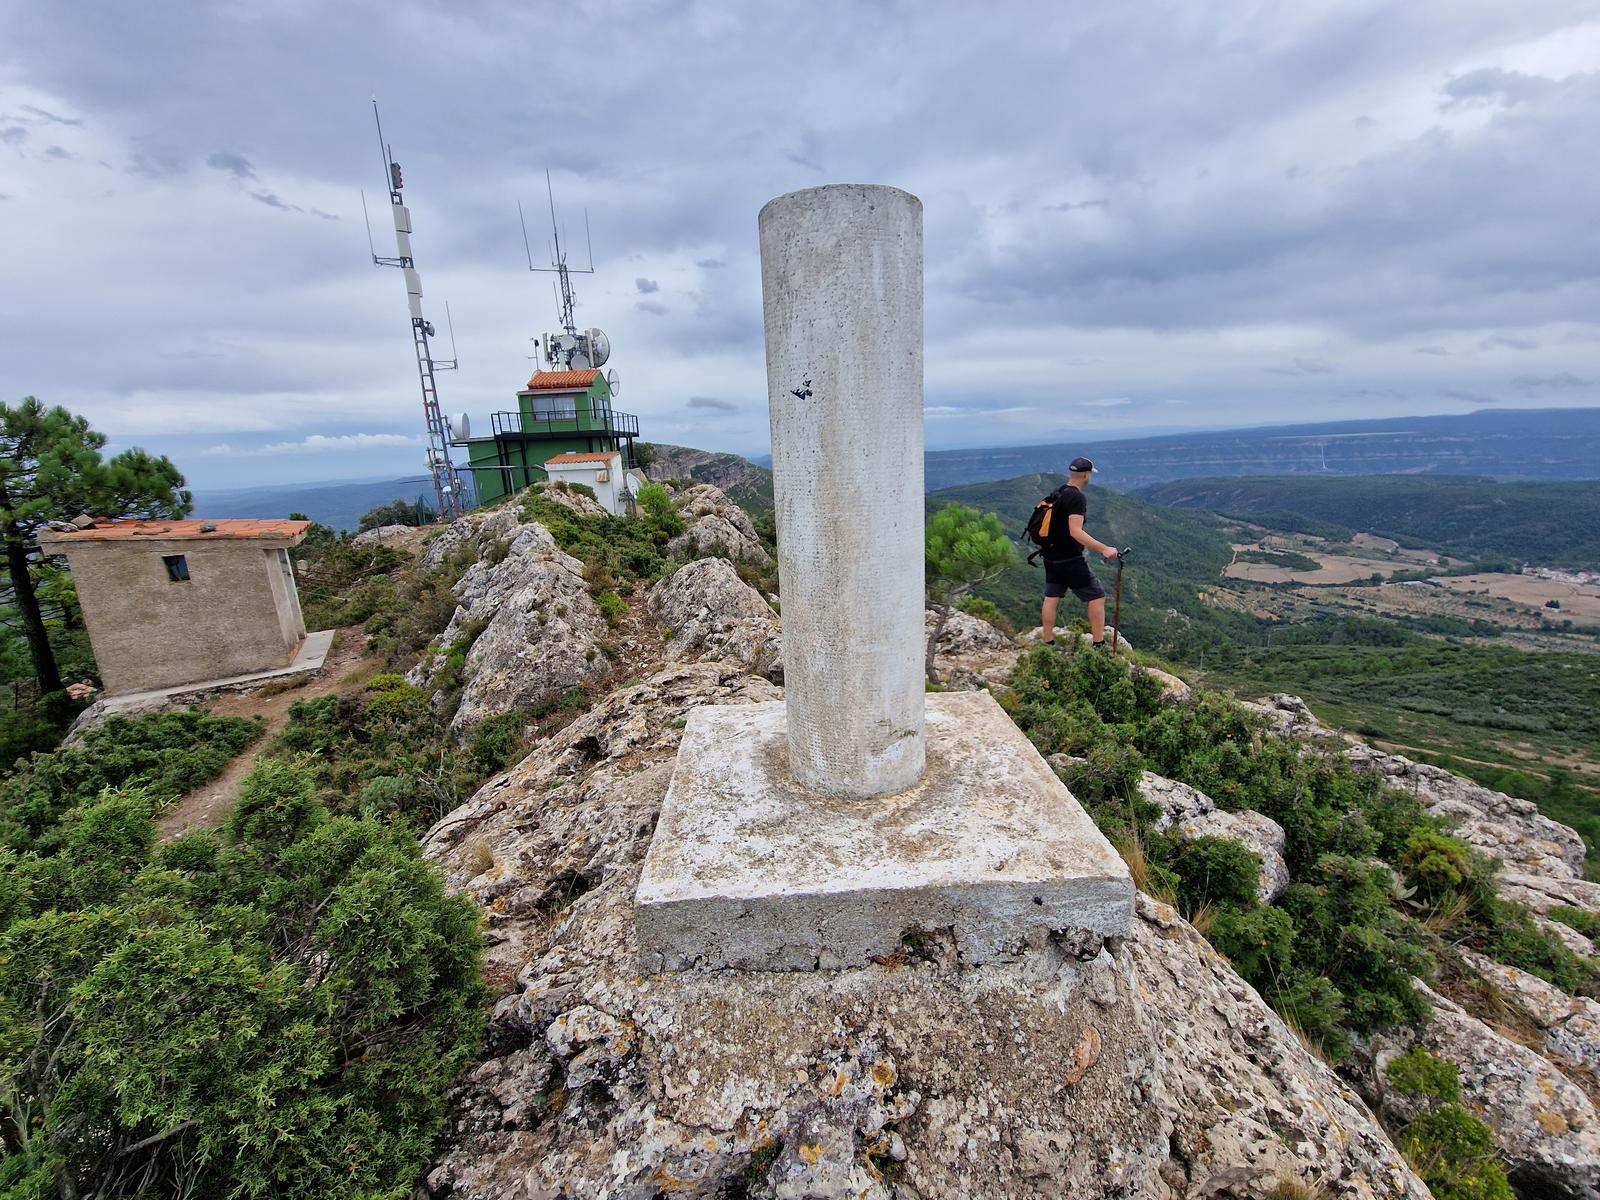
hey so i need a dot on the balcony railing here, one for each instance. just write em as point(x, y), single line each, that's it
point(566, 421)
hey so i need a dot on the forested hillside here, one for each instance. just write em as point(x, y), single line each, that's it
point(1551, 524)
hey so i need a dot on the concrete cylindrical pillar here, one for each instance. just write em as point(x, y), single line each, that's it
point(841, 284)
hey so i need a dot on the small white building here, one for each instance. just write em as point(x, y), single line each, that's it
point(602, 471)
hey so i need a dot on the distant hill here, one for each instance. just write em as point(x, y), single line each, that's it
point(1540, 444)
point(747, 485)
point(1551, 524)
point(338, 505)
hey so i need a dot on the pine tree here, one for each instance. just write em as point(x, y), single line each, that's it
point(965, 549)
point(51, 469)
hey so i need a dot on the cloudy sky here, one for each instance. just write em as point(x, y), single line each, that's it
point(1142, 216)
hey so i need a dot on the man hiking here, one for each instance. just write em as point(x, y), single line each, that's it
point(1065, 567)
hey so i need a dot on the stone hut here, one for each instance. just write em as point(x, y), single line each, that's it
point(169, 603)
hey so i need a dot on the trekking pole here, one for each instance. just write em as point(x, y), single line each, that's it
point(1116, 612)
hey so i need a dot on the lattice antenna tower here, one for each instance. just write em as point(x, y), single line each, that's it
point(572, 347)
point(447, 485)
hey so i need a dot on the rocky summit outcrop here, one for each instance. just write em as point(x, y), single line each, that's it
point(746, 484)
point(1502, 826)
point(525, 630)
point(1140, 1067)
point(972, 653)
point(704, 610)
point(716, 526)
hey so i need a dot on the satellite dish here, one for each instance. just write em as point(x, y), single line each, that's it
point(599, 348)
point(614, 381)
point(460, 426)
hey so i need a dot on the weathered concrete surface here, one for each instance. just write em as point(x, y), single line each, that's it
point(841, 285)
point(749, 870)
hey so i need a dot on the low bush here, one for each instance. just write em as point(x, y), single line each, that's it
point(1450, 1148)
point(277, 1009)
point(166, 755)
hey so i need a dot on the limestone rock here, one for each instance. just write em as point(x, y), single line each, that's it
point(715, 523)
point(744, 482)
point(1544, 1126)
point(584, 506)
point(537, 627)
point(396, 537)
point(972, 653)
point(1501, 826)
point(1194, 814)
point(1571, 1024)
point(812, 1084)
point(713, 614)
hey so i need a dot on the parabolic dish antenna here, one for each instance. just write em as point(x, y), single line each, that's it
point(613, 381)
point(599, 348)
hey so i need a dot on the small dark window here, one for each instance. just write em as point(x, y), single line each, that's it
point(177, 567)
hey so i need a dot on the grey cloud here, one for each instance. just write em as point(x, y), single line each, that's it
point(1074, 206)
point(1466, 397)
point(50, 116)
point(713, 403)
point(1436, 351)
point(15, 135)
point(1303, 366)
point(236, 165)
point(1560, 379)
point(646, 286)
point(1390, 240)
point(326, 216)
point(58, 152)
point(272, 200)
point(1489, 84)
point(1508, 342)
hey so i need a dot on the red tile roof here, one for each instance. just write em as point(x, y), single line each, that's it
point(189, 531)
point(562, 381)
point(564, 459)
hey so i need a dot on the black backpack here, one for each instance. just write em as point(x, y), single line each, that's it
point(1044, 530)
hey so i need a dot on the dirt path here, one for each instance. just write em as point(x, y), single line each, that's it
point(208, 806)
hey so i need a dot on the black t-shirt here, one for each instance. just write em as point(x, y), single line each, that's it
point(1071, 502)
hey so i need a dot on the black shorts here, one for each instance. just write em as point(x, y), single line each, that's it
point(1074, 575)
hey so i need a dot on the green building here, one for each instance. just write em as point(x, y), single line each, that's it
point(559, 412)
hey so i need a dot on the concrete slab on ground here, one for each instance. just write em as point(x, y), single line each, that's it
point(308, 660)
point(749, 870)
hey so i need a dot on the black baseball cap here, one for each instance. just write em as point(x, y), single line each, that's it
point(1080, 464)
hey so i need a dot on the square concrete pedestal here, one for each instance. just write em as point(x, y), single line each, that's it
point(749, 870)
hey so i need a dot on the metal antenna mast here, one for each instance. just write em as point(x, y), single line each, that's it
point(447, 487)
point(565, 300)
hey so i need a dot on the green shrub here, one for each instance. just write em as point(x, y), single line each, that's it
point(1586, 923)
point(1258, 941)
point(1418, 1073)
point(1215, 871)
point(1451, 1149)
point(231, 1017)
point(166, 754)
point(612, 607)
point(495, 741)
